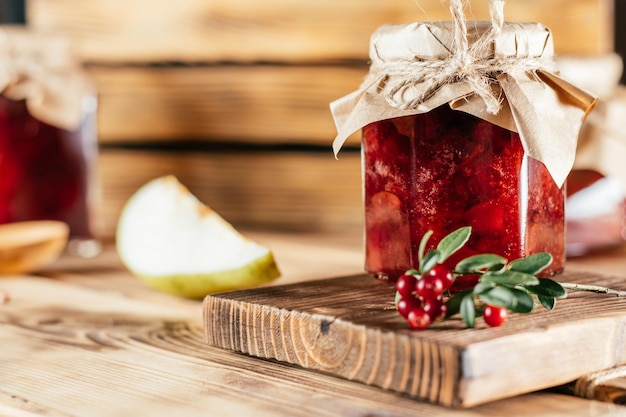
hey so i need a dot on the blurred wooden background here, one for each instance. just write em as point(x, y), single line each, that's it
point(231, 96)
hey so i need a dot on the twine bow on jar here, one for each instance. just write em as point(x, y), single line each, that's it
point(421, 77)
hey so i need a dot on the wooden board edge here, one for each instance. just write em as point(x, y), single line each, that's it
point(477, 372)
point(336, 347)
point(494, 367)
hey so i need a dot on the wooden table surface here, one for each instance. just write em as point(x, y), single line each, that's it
point(85, 338)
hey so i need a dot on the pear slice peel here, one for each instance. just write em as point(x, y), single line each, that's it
point(174, 243)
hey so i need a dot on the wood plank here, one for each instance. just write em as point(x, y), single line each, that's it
point(348, 327)
point(267, 103)
point(305, 191)
point(72, 350)
point(153, 339)
point(607, 385)
point(282, 30)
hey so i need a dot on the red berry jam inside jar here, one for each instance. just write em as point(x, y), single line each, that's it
point(45, 170)
point(446, 169)
point(48, 140)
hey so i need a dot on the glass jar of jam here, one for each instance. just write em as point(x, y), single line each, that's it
point(463, 124)
point(48, 144)
point(446, 169)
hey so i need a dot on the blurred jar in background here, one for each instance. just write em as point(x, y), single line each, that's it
point(48, 145)
point(596, 188)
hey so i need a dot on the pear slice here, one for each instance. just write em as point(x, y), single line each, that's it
point(175, 243)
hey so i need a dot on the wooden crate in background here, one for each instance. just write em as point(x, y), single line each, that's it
point(257, 76)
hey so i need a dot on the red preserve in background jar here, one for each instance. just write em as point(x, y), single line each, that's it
point(48, 144)
point(45, 170)
point(446, 169)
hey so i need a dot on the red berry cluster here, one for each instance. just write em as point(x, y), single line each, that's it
point(421, 299)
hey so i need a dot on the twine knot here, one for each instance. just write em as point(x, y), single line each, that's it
point(420, 78)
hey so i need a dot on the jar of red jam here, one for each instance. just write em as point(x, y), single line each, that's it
point(463, 125)
point(446, 169)
point(48, 143)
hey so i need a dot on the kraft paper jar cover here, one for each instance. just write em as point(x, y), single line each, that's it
point(39, 68)
point(507, 78)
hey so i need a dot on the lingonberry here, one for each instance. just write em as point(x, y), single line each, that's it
point(494, 316)
point(406, 304)
point(443, 273)
point(429, 287)
point(405, 285)
point(418, 319)
point(435, 308)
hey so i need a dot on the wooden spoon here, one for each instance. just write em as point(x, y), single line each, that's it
point(28, 246)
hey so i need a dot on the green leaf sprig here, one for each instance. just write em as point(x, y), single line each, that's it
point(424, 295)
point(513, 285)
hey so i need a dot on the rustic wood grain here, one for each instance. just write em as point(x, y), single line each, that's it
point(289, 190)
point(101, 284)
point(348, 327)
point(251, 73)
point(613, 390)
point(94, 342)
point(606, 385)
point(270, 104)
point(283, 30)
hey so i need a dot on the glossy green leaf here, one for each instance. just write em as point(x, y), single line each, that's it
point(510, 278)
point(468, 310)
point(524, 301)
point(453, 242)
point(423, 243)
point(532, 264)
point(499, 296)
point(547, 301)
point(482, 287)
point(429, 261)
point(479, 262)
point(549, 288)
point(453, 305)
point(497, 268)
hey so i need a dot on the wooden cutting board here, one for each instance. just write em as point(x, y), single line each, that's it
point(348, 327)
